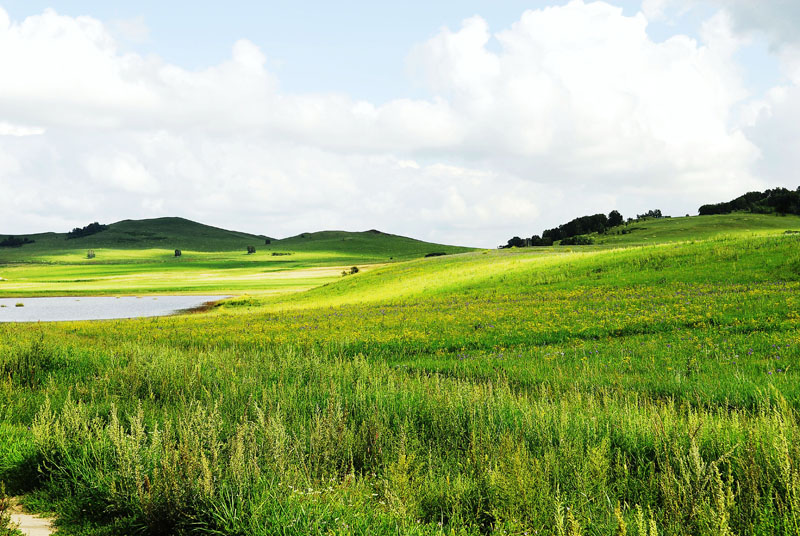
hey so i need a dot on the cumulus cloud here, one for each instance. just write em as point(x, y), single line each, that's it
point(571, 109)
point(134, 30)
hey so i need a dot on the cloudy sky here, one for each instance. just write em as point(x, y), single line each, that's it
point(461, 122)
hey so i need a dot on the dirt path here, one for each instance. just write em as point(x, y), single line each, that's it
point(30, 525)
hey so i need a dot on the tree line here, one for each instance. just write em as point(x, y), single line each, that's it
point(774, 201)
point(574, 232)
point(15, 242)
point(92, 228)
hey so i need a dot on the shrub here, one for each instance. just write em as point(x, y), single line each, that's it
point(580, 240)
point(90, 254)
point(177, 253)
point(436, 254)
point(251, 250)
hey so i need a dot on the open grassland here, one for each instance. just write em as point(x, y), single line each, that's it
point(132, 257)
point(646, 390)
point(219, 276)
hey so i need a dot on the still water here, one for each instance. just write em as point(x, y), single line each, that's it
point(96, 308)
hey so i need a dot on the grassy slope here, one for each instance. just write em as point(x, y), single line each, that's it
point(645, 255)
point(696, 228)
point(152, 234)
point(138, 257)
point(501, 391)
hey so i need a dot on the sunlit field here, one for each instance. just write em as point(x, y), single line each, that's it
point(146, 278)
point(133, 257)
point(612, 389)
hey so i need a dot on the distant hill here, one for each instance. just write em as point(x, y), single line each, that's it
point(161, 233)
point(358, 243)
point(183, 234)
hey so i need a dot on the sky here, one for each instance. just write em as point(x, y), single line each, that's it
point(457, 122)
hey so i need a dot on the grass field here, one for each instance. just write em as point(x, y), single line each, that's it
point(613, 389)
point(138, 257)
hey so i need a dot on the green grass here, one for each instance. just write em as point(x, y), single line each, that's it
point(696, 228)
point(138, 257)
point(533, 391)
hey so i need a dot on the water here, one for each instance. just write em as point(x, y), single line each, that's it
point(97, 308)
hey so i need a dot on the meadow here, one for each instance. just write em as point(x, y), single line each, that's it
point(138, 257)
point(612, 389)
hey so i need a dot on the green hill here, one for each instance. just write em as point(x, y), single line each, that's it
point(372, 243)
point(651, 385)
point(138, 257)
point(660, 230)
point(157, 233)
point(696, 249)
point(167, 234)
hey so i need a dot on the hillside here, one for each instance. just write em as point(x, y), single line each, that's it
point(718, 258)
point(492, 392)
point(373, 243)
point(157, 233)
point(652, 231)
point(138, 257)
point(163, 235)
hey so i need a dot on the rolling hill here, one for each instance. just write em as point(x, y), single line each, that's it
point(138, 257)
point(157, 233)
point(168, 234)
point(492, 392)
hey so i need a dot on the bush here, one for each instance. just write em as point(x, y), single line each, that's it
point(436, 254)
point(90, 254)
point(251, 250)
point(177, 253)
point(580, 240)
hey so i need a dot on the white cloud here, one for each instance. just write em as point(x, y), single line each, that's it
point(134, 29)
point(654, 9)
point(572, 109)
point(10, 129)
point(121, 171)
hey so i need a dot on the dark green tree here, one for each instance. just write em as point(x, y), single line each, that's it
point(615, 218)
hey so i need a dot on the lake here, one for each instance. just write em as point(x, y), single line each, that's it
point(97, 307)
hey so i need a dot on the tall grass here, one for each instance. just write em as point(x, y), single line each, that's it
point(650, 391)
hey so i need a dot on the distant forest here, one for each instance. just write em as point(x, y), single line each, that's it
point(777, 200)
point(573, 233)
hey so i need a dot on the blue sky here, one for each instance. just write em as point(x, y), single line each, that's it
point(355, 47)
point(460, 122)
